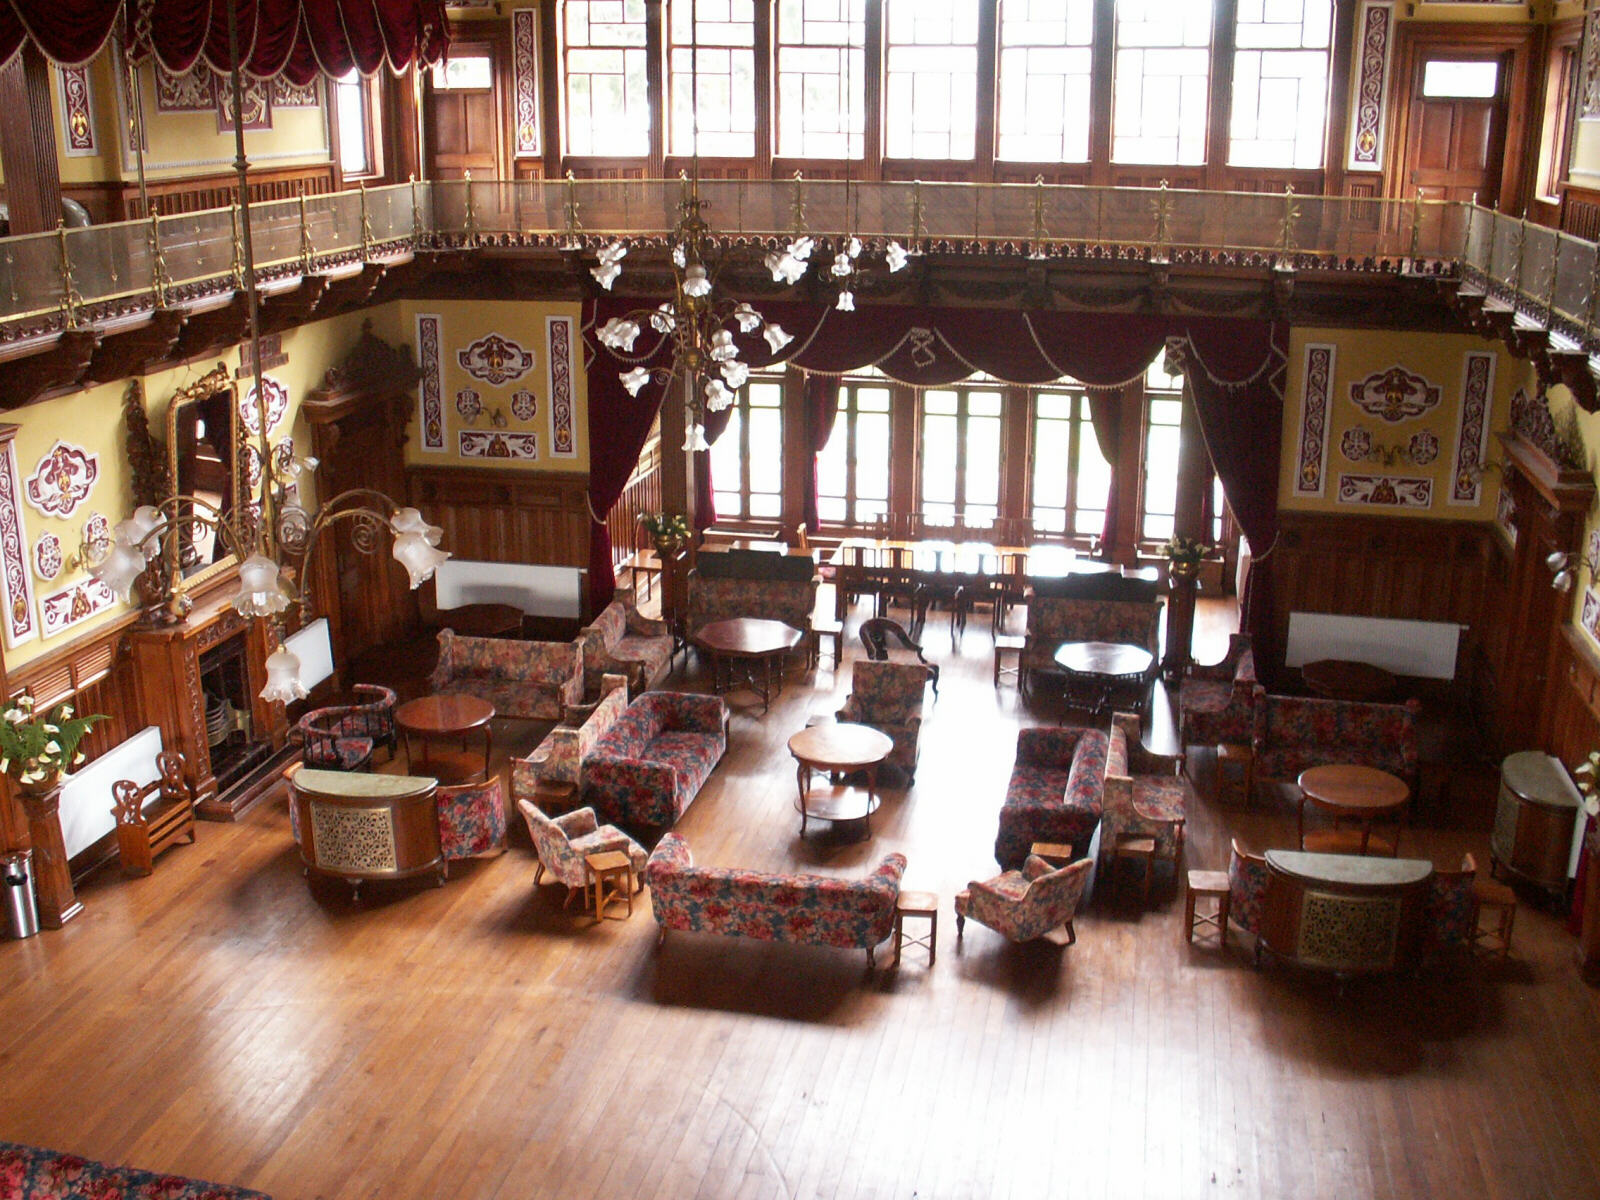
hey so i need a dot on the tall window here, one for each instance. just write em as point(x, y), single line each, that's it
point(1045, 58)
point(1071, 478)
point(1163, 74)
point(853, 468)
point(747, 460)
point(1280, 83)
point(714, 40)
point(1163, 416)
point(354, 113)
point(930, 78)
point(820, 59)
point(961, 455)
point(607, 92)
point(1559, 99)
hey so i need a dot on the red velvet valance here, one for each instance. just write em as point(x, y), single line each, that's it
point(295, 38)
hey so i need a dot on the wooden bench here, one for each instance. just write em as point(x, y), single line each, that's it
point(144, 827)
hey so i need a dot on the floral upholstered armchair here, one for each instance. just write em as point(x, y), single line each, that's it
point(1029, 903)
point(562, 842)
point(1247, 891)
point(1145, 796)
point(472, 819)
point(1214, 707)
point(888, 697)
point(342, 737)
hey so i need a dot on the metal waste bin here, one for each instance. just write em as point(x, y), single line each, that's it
point(16, 880)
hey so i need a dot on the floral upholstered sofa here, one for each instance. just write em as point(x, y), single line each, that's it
point(1054, 793)
point(559, 757)
point(654, 759)
point(819, 909)
point(1215, 705)
point(521, 679)
point(1088, 608)
point(27, 1171)
point(620, 641)
point(1291, 733)
point(888, 697)
point(751, 583)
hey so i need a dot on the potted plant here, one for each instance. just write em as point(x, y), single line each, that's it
point(668, 531)
point(1183, 555)
point(35, 750)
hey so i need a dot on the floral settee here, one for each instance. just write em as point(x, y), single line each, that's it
point(888, 697)
point(1054, 793)
point(620, 641)
point(751, 583)
point(26, 1171)
point(1291, 733)
point(772, 907)
point(521, 679)
point(1215, 705)
point(1145, 793)
point(559, 757)
point(472, 819)
point(1097, 608)
point(654, 759)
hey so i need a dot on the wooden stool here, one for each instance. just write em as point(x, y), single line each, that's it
point(832, 629)
point(613, 880)
point(1213, 885)
point(1057, 854)
point(1496, 897)
point(1133, 848)
point(1236, 769)
point(917, 904)
point(1008, 645)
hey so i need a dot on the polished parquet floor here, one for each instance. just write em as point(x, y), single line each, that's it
point(224, 1019)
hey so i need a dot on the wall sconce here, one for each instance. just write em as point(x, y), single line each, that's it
point(1566, 572)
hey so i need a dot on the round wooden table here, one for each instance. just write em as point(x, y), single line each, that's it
point(839, 748)
point(1363, 794)
point(753, 642)
point(1103, 667)
point(451, 715)
point(1341, 679)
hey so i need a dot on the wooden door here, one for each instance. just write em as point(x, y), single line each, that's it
point(1455, 143)
point(461, 107)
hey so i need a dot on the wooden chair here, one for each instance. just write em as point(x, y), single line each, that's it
point(875, 634)
point(1499, 899)
point(143, 833)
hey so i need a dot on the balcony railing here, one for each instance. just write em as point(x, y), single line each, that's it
point(49, 282)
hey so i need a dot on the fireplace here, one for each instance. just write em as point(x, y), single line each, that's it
point(229, 723)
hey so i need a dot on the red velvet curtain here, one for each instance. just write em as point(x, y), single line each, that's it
point(295, 38)
point(1105, 414)
point(705, 498)
point(821, 406)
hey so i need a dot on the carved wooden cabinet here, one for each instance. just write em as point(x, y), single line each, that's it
point(354, 825)
point(1534, 820)
point(1343, 913)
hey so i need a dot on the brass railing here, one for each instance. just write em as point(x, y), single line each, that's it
point(59, 280)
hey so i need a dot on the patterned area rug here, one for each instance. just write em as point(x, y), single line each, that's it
point(28, 1173)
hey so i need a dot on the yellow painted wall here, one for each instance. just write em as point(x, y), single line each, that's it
point(462, 323)
point(92, 419)
point(1440, 359)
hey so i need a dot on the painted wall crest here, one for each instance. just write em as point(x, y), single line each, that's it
point(496, 360)
point(62, 480)
point(1394, 395)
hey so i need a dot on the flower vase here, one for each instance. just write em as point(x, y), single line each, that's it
point(1182, 570)
point(41, 801)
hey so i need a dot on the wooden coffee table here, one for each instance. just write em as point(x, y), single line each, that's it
point(839, 749)
point(1363, 794)
point(753, 643)
point(1103, 667)
point(433, 718)
point(1341, 679)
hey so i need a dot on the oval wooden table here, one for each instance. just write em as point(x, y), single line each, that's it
point(754, 642)
point(450, 715)
point(1103, 667)
point(1345, 679)
point(839, 748)
point(1363, 794)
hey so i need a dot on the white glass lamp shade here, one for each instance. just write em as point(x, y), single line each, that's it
point(777, 337)
point(619, 333)
point(774, 262)
point(894, 254)
point(1563, 581)
point(120, 568)
point(612, 254)
point(420, 559)
point(664, 319)
point(749, 319)
point(146, 520)
point(846, 301)
point(735, 373)
point(261, 590)
point(283, 677)
point(722, 347)
point(800, 248)
point(695, 282)
point(635, 380)
point(695, 439)
point(1556, 560)
point(718, 397)
point(411, 520)
point(853, 247)
point(842, 265)
point(605, 274)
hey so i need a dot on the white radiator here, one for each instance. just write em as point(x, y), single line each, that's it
point(1421, 649)
point(86, 804)
point(539, 591)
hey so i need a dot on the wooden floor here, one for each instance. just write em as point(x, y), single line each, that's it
point(223, 1019)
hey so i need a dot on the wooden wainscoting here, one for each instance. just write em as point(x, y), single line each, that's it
point(119, 201)
point(506, 516)
point(1580, 211)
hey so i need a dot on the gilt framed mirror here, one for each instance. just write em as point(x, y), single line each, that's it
point(205, 460)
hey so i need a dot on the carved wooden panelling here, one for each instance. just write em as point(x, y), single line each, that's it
point(506, 516)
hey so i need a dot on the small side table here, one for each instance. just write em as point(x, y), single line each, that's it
point(832, 629)
point(613, 880)
point(1008, 645)
point(1057, 854)
point(1236, 770)
point(1210, 885)
point(555, 796)
point(917, 904)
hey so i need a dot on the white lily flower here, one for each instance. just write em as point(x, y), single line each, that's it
point(634, 380)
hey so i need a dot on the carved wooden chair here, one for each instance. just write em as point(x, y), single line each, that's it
point(875, 635)
point(142, 832)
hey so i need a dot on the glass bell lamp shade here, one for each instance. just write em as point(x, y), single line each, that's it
point(283, 677)
point(410, 520)
point(416, 554)
point(261, 590)
point(146, 520)
point(120, 568)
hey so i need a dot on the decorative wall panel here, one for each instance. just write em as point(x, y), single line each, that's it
point(1393, 491)
point(15, 581)
point(1395, 395)
point(430, 398)
point(1314, 417)
point(492, 443)
point(495, 359)
point(1374, 26)
point(77, 111)
point(558, 357)
point(64, 609)
point(62, 480)
point(1472, 430)
point(525, 82)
